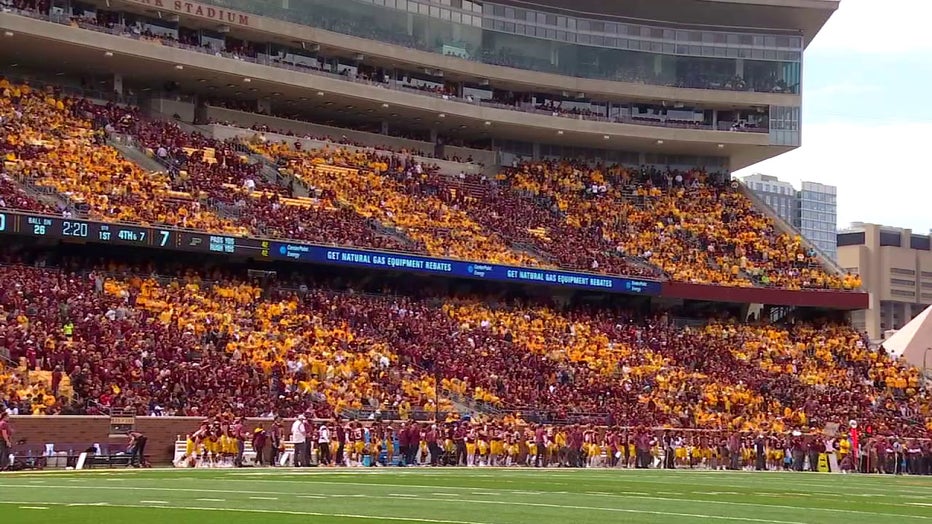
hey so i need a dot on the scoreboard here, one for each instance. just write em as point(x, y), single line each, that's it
point(58, 228)
point(44, 226)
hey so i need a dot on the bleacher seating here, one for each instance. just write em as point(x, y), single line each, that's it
point(194, 347)
point(687, 226)
point(696, 226)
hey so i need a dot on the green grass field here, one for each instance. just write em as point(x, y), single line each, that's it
point(458, 496)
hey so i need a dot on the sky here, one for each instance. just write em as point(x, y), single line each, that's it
point(867, 77)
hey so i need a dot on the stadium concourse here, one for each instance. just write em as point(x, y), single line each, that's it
point(91, 332)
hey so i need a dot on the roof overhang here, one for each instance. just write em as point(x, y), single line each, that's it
point(805, 17)
point(34, 51)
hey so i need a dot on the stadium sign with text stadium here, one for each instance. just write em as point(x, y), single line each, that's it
point(47, 226)
point(199, 10)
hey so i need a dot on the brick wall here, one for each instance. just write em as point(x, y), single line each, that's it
point(80, 432)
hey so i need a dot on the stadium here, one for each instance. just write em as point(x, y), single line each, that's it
point(442, 261)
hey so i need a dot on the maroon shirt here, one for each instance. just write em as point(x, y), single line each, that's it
point(6, 429)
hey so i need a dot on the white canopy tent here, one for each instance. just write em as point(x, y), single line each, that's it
point(912, 340)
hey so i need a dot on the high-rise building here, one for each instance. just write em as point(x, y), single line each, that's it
point(895, 265)
point(818, 216)
point(812, 210)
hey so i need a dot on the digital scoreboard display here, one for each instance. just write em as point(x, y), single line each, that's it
point(44, 226)
point(129, 234)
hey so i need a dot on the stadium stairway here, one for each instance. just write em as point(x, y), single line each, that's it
point(132, 152)
point(46, 195)
point(270, 171)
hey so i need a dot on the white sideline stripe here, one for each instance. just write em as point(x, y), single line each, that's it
point(311, 497)
point(263, 498)
point(33, 507)
point(620, 495)
point(153, 502)
point(211, 500)
point(282, 512)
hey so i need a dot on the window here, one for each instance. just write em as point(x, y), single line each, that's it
point(850, 239)
point(889, 238)
point(901, 293)
point(902, 282)
point(920, 242)
point(899, 271)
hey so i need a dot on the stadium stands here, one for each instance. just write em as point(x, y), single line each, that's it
point(46, 142)
point(356, 178)
point(193, 346)
point(693, 225)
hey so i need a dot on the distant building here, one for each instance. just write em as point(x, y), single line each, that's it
point(812, 210)
point(895, 265)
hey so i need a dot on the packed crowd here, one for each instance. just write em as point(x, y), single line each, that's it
point(193, 346)
point(690, 225)
point(14, 197)
point(187, 346)
point(523, 223)
point(46, 140)
point(696, 226)
point(61, 143)
point(357, 179)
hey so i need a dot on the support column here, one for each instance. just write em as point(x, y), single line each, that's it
point(264, 106)
point(384, 127)
point(118, 84)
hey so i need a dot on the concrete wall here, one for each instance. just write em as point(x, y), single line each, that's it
point(80, 432)
point(222, 132)
point(375, 140)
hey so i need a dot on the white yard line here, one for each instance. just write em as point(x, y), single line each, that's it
point(283, 512)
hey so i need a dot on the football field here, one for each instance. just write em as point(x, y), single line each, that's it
point(459, 496)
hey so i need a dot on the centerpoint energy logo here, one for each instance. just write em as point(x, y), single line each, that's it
point(478, 270)
point(293, 251)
